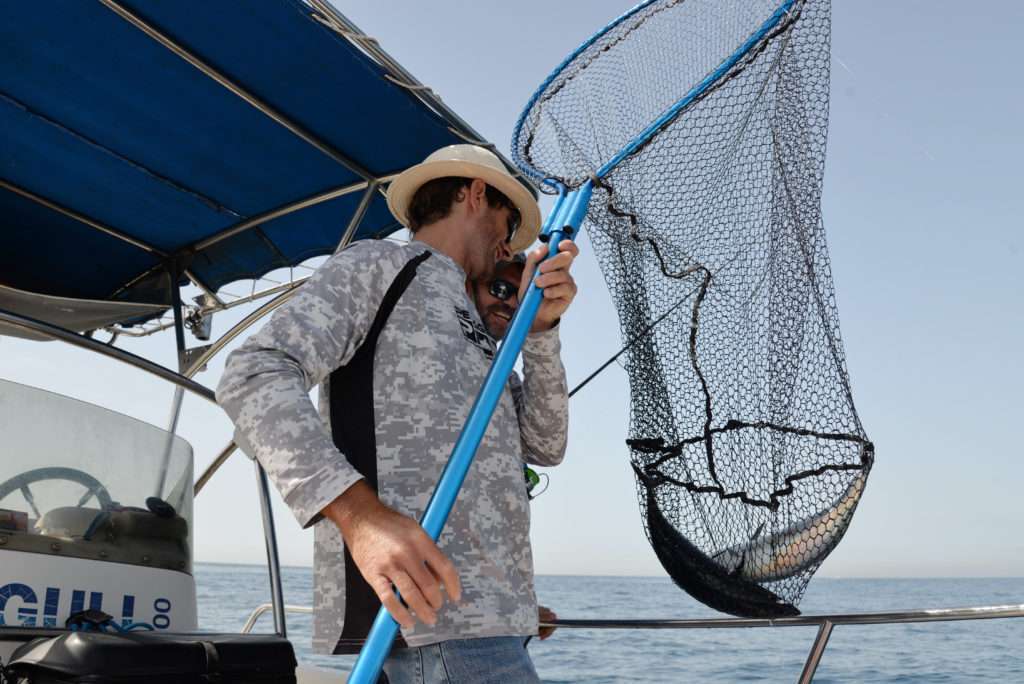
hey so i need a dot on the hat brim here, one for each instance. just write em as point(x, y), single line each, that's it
point(402, 189)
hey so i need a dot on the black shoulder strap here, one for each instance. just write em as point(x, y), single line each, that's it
point(353, 431)
point(351, 386)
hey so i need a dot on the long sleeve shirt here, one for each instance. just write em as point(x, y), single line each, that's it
point(430, 361)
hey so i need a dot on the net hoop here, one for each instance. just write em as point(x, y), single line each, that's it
point(786, 12)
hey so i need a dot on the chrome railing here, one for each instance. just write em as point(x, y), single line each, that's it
point(824, 623)
point(255, 616)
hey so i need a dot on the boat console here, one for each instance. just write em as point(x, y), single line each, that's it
point(95, 514)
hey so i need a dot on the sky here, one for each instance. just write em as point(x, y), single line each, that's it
point(922, 205)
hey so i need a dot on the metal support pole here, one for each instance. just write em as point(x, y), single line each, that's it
point(894, 618)
point(214, 466)
point(179, 320)
point(211, 295)
point(817, 650)
point(81, 218)
point(83, 342)
point(239, 328)
point(173, 272)
point(172, 427)
point(237, 89)
point(290, 208)
point(388, 62)
point(401, 76)
point(357, 217)
point(273, 562)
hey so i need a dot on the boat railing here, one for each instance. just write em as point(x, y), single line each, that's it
point(264, 608)
point(824, 623)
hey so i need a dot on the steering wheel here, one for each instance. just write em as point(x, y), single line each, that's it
point(93, 487)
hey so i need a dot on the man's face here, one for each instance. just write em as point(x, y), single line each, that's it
point(496, 313)
point(489, 235)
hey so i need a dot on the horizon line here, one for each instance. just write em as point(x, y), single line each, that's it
point(598, 575)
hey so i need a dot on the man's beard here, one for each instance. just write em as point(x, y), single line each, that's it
point(498, 315)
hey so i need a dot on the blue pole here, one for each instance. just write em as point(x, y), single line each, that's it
point(568, 211)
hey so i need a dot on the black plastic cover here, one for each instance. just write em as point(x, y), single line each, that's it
point(153, 658)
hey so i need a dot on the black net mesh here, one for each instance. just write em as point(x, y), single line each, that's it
point(749, 455)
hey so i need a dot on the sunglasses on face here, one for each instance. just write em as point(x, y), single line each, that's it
point(514, 219)
point(502, 289)
point(496, 198)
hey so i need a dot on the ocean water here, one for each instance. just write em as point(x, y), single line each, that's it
point(974, 651)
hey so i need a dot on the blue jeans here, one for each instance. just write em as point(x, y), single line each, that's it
point(492, 660)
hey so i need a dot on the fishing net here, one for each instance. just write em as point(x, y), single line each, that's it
point(749, 456)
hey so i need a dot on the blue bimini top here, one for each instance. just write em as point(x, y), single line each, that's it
point(211, 138)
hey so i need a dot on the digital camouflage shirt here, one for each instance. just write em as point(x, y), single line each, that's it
point(430, 361)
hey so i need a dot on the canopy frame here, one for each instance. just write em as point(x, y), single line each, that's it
point(177, 260)
point(261, 106)
point(82, 218)
point(174, 263)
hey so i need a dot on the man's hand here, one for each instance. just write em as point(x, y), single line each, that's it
point(392, 551)
point(545, 614)
point(554, 278)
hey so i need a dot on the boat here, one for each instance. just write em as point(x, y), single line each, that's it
point(179, 158)
point(150, 158)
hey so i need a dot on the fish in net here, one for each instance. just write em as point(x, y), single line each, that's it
point(701, 126)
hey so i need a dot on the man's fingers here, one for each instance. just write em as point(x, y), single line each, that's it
point(569, 246)
point(565, 292)
point(444, 570)
point(413, 598)
point(530, 268)
point(388, 598)
point(567, 253)
point(429, 585)
point(555, 278)
point(556, 264)
point(532, 259)
point(552, 276)
point(558, 285)
point(545, 614)
point(559, 262)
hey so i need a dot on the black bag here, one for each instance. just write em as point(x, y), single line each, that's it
point(153, 658)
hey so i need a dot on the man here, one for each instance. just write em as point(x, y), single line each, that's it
point(389, 333)
point(497, 299)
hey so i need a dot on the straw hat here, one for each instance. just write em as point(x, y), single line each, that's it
point(468, 161)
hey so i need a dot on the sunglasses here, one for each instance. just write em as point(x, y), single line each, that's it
point(514, 219)
point(502, 289)
point(497, 198)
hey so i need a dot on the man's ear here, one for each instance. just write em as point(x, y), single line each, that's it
point(476, 197)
